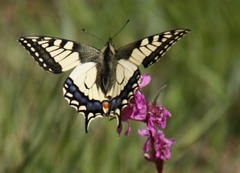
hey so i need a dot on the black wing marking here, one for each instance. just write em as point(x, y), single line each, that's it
point(58, 55)
point(150, 49)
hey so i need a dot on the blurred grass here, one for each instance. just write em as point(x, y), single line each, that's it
point(40, 133)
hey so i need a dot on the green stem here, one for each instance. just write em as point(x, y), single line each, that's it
point(158, 93)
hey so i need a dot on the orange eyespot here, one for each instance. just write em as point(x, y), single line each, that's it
point(105, 105)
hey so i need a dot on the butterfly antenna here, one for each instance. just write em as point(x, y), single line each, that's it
point(84, 30)
point(121, 28)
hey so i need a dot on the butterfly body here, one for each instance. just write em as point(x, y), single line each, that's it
point(106, 65)
point(102, 82)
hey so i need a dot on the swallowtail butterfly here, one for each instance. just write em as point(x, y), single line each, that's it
point(103, 81)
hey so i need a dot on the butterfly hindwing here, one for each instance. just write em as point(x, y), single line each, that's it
point(83, 92)
point(58, 55)
point(150, 49)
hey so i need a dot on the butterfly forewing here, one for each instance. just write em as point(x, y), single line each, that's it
point(58, 55)
point(150, 49)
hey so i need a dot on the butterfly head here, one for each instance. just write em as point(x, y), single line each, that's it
point(109, 47)
point(110, 42)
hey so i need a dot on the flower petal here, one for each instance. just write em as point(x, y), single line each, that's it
point(145, 78)
point(143, 132)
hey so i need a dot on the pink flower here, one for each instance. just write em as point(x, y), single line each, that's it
point(156, 146)
point(158, 114)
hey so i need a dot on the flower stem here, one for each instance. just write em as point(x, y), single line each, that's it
point(159, 165)
point(157, 95)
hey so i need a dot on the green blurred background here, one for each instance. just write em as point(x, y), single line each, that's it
point(39, 132)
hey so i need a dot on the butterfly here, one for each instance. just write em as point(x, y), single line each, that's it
point(103, 81)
